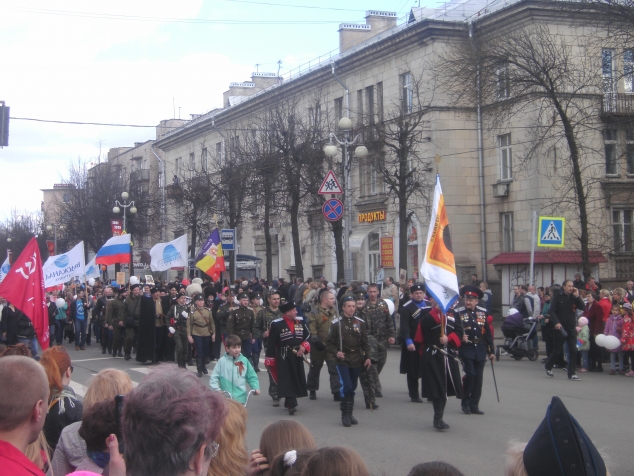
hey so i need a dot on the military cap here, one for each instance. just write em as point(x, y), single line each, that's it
point(180, 295)
point(417, 287)
point(199, 297)
point(122, 290)
point(243, 296)
point(255, 295)
point(154, 290)
point(134, 286)
point(471, 291)
point(347, 297)
point(287, 306)
point(560, 447)
point(360, 295)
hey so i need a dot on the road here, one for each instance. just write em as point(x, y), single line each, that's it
point(400, 435)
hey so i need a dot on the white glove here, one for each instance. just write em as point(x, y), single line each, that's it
point(172, 330)
point(185, 314)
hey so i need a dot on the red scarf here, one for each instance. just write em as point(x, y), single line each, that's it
point(290, 323)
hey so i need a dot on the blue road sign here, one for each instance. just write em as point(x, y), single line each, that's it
point(228, 238)
point(551, 232)
point(332, 209)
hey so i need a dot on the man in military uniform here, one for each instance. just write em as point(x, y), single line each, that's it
point(319, 320)
point(133, 313)
point(177, 318)
point(241, 322)
point(115, 318)
point(477, 344)
point(223, 313)
point(99, 318)
point(378, 323)
point(348, 344)
point(257, 342)
point(261, 330)
point(410, 359)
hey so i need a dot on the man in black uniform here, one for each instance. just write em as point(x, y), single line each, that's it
point(410, 358)
point(477, 344)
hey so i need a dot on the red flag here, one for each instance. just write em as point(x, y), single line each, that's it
point(24, 288)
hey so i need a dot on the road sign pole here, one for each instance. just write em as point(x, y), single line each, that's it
point(533, 238)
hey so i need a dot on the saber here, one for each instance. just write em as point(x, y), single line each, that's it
point(310, 364)
point(339, 321)
point(495, 382)
point(442, 351)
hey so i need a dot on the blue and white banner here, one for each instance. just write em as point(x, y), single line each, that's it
point(169, 255)
point(4, 269)
point(92, 270)
point(62, 268)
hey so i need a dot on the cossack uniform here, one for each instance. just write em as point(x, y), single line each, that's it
point(410, 359)
point(263, 320)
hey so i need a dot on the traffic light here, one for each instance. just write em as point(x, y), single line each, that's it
point(4, 124)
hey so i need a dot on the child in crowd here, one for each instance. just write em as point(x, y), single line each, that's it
point(233, 371)
point(614, 327)
point(627, 337)
point(583, 343)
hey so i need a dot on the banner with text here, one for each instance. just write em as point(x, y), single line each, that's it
point(387, 252)
point(65, 267)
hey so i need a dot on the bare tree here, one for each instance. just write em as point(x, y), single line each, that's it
point(20, 227)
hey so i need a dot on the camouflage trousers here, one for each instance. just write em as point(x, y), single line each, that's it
point(369, 379)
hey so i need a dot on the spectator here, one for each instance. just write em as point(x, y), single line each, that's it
point(79, 315)
point(434, 468)
point(474, 280)
point(627, 339)
point(10, 316)
point(594, 313)
point(614, 327)
point(71, 448)
point(63, 406)
point(279, 437)
point(170, 425)
point(525, 302)
point(232, 458)
point(339, 461)
point(606, 303)
point(487, 298)
point(583, 341)
point(98, 424)
point(233, 371)
point(578, 282)
point(629, 292)
point(26, 333)
point(23, 405)
point(291, 463)
point(592, 285)
point(390, 291)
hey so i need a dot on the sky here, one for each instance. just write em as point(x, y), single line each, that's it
point(137, 62)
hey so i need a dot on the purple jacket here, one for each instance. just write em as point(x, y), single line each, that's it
point(614, 327)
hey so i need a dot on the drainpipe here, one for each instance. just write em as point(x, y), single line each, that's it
point(483, 231)
point(345, 88)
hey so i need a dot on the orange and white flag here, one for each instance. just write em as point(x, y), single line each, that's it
point(439, 265)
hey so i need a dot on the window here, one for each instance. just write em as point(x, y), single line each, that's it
point(317, 115)
point(373, 181)
point(369, 104)
point(219, 153)
point(192, 165)
point(629, 151)
point(66, 198)
point(506, 157)
point(622, 225)
point(379, 101)
point(610, 152)
point(607, 66)
point(360, 118)
point(177, 166)
point(338, 109)
point(503, 82)
point(203, 159)
point(506, 220)
point(314, 116)
point(628, 71)
point(407, 98)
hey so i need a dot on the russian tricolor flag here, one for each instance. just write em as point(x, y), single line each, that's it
point(116, 250)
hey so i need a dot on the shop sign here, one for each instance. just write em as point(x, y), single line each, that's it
point(387, 252)
point(370, 217)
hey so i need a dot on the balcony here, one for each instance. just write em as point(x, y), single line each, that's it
point(617, 104)
point(140, 176)
point(624, 266)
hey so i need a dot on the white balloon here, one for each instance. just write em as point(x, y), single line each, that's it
point(59, 302)
point(599, 340)
point(91, 282)
point(134, 280)
point(611, 342)
point(390, 305)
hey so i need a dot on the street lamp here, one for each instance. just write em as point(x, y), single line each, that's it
point(54, 227)
point(345, 125)
point(117, 209)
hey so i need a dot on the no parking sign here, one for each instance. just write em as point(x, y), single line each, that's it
point(332, 209)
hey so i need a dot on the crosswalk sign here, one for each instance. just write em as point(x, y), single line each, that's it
point(551, 232)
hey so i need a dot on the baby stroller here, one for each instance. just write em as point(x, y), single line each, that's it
point(517, 333)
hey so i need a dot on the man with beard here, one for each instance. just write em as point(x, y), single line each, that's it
point(150, 325)
point(410, 359)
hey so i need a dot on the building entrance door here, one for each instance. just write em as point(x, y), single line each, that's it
point(374, 257)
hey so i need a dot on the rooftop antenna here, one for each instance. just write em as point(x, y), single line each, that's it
point(179, 112)
point(279, 66)
point(257, 66)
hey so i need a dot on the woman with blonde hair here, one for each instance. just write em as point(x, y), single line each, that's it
point(71, 449)
point(64, 408)
point(232, 458)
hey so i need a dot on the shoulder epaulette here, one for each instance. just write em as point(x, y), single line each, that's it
point(299, 318)
point(460, 309)
point(335, 320)
point(277, 320)
point(408, 302)
point(481, 308)
point(359, 319)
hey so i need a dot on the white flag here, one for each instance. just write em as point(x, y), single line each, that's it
point(4, 269)
point(92, 270)
point(169, 255)
point(65, 267)
point(439, 265)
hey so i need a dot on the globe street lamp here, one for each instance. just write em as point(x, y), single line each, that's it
point(54, 227)
point(117, 209)
point(345, 125)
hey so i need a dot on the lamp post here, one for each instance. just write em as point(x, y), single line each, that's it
point(117, 209)
point(345, 125)
point(54, 227)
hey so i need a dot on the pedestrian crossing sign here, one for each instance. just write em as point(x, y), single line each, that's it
point(551, 232)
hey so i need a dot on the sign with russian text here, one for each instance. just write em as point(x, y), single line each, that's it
point(117, 227)
point(371, 217)
point(387, 252)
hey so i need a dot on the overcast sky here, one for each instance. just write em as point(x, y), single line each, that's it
point(128, 62)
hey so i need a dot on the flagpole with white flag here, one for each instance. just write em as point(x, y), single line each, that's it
point(169, 255)
point(5, 268)
point(439, 265)
point(62, 268)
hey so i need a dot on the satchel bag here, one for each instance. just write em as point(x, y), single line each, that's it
point(129, 320)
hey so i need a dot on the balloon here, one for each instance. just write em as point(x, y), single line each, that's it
point(134, 280)
point(390, 305)
point(197, 281)
point(185, 282)
point(599, 340)
point(611, 342)
point(114, 283)
point(59, 302)
point(91, 282)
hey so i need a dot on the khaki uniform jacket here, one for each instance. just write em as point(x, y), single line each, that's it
point(263, 321)
point(201, 323)
point(223, 316)
point(133, 307)
point(378, 321)
point(241, 322)
point(319, 321)
point(115, 312)
point(355, 342)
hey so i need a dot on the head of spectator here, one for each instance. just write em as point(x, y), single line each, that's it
point(340, 461)
point(106, 385)
point(98, 423)
point(282, 436)
point(516, 290)
point(291, 463)
point(232, 457)
point(16, 349)
point(618, 295)
point(483, 286)
point(57, 364)
point(170, 424)
point(23, 402)
point(434, 468)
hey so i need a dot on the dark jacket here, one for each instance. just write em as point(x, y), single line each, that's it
point(60, 416)
point(10, 324)
point(354, 339)
point(24, 327)
point(562, 310)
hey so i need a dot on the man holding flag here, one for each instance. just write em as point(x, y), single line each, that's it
point(210, 259)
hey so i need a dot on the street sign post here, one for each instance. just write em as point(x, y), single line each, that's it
point(332, 209)
point(330, 185)
point(228, 238)
point(551, 232)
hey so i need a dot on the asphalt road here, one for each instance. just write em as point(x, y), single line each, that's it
point(400, 435)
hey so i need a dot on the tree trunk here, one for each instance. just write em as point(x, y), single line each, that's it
point(403, 218)
point(193, 250)
point(337, 231)
point(299, 268)
point(267, 234)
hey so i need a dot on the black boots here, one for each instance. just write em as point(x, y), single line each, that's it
point(439, 409)
point(347, 407)
point(353, 420)
point(181, 364)
point(255, 360)
point(200, 364)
